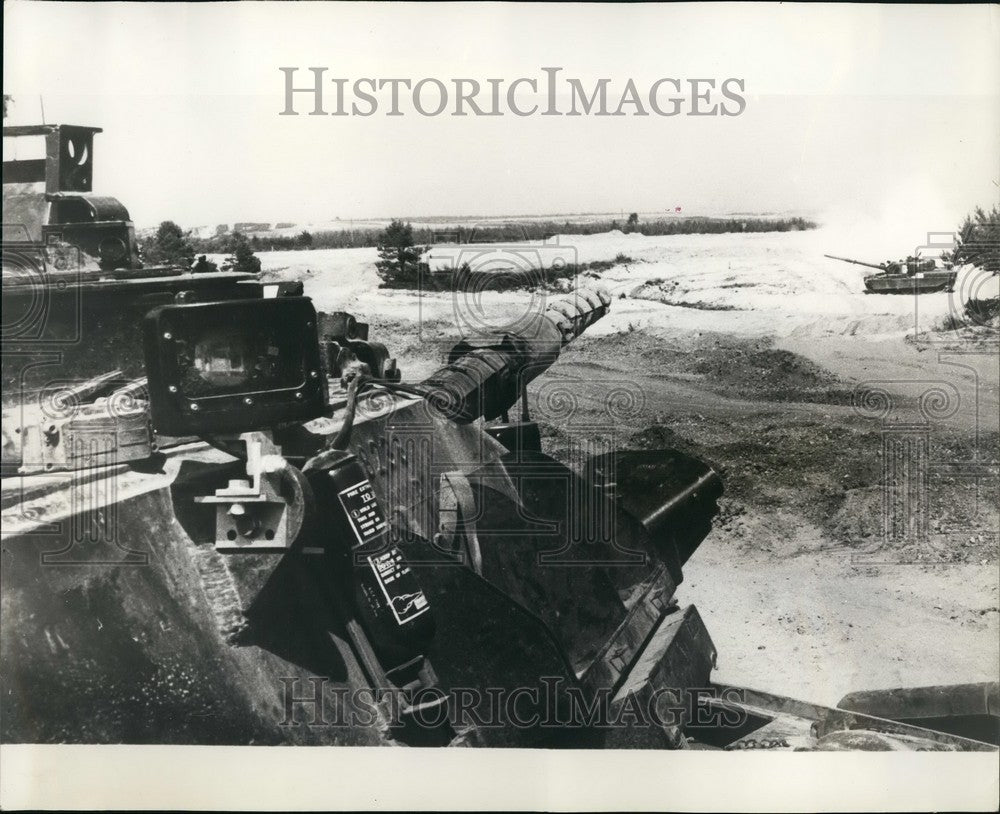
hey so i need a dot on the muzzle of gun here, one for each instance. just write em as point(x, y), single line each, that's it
point(485, 376)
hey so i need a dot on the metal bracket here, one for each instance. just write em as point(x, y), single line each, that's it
point(262, 513)
point(345, 347)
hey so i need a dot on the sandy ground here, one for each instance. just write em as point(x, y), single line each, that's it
point(748, 350)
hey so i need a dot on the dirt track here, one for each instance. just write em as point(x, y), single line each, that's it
point(802, 592)
point(753, 351)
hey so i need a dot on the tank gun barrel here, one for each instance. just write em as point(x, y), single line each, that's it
point(856, 262)
point(484, 377)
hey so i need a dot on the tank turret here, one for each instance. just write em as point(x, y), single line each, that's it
point(74, 285)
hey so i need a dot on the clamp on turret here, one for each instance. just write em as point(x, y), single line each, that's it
point(266, 511)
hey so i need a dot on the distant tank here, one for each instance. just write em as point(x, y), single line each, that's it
point(914, 275)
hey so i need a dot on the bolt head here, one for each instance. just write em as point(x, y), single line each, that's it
point(167, 335)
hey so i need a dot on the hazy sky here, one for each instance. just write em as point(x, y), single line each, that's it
point(859, 109)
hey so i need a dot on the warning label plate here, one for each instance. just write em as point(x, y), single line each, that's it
point(362, 511)
point(388, 568)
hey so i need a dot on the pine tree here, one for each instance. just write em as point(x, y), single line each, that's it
point(241, 256)
point(978, 240)
point(398, 261)
point(169, 247)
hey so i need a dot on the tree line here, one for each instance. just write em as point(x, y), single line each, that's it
point(506, 232)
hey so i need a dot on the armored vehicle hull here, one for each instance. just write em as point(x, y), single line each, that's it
point(913, 275)
point(923, 282)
